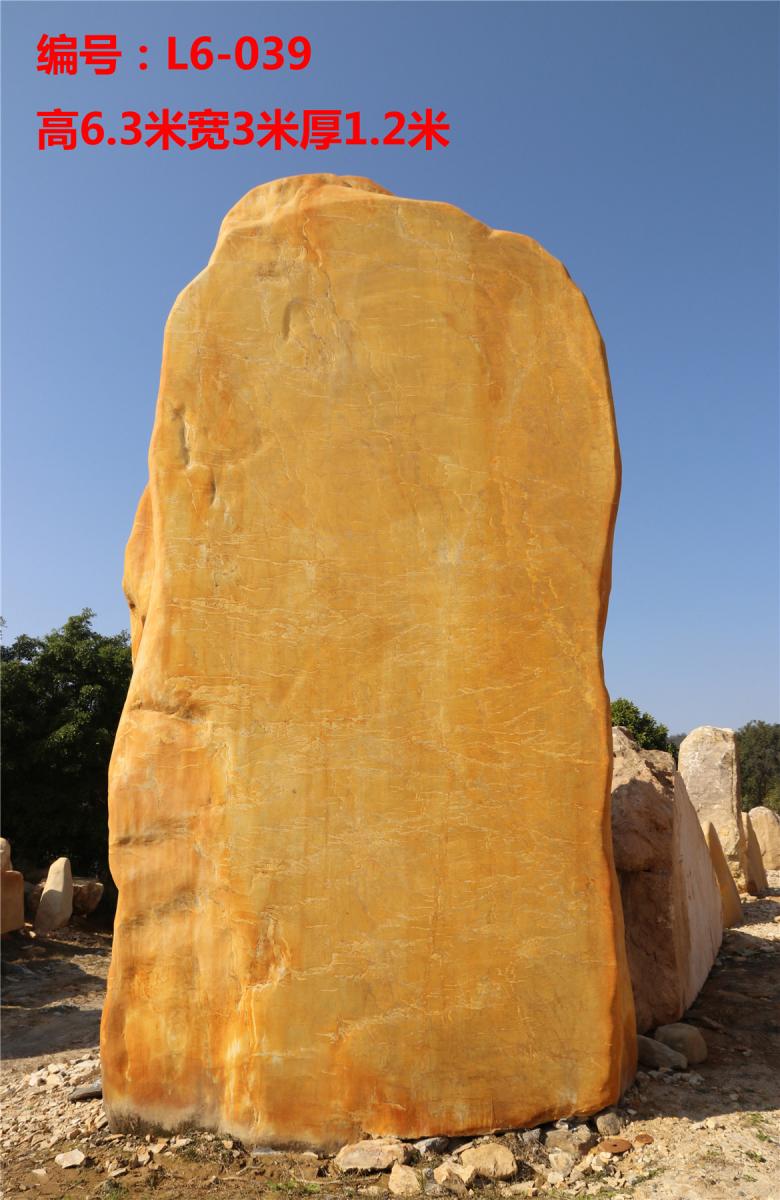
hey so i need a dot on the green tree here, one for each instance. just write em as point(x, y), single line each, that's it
point(62, 698)
point(648, 732)
point(758, 750)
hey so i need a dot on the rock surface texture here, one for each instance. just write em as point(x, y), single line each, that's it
point(56, 905)
point(359, 797)
point(766, 826)
point(671, 898)
point(708, 765)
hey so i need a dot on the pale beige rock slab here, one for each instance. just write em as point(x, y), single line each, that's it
point(56, 905)
point(731, 905)
point(766, 825)
point(757, 884)
point(371, 1154)
point(671, 898)
point(5, 855)
point(709, 767)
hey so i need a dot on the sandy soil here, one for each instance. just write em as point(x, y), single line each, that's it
point(715, 1129)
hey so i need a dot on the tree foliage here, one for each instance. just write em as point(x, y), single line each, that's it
point(62, 698)
point(758, 749)
point(648, 732)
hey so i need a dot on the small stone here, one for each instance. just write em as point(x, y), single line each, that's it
point(373, 1154)
point(562, 1161)
point(370, 1190)
point(608, 1123)
point(657, 1055)
point(555, 1178)
point(432, 1145)
point(404, 1181)
point(491, 1160)
point(446, 1176)
point(643, 1139)
point(531, 1137)
point(685, 1039)
point(87, 1091)
point(615, 1145)
point(575, 1141)
point(39, 1173)
point(70, 1158)
point(115, 1174)
point(142, 1158)
point(526, 1188)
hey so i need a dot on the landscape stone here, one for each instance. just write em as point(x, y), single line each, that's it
point(367, 582)
point(56, 906)
point(766, 825)
point(490, 1160)
point(757, 883)
point(731, 905)
point(404, 1181)
point(372, 1154)
point(5, 855)
point(658, 1056)
point(562, 1161)
point(685, 1039)
point(11, 901)
point(671, 900)
point(708, 764)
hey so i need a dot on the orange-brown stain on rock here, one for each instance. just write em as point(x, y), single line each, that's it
point(359, 798)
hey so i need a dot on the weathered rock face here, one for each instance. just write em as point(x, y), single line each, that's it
point(56, 904)
point(671, 898)
point(708, 765)
point(11, 901)
point(731, 905)
point(359, 798)
point(766, 825)
point(757, 883)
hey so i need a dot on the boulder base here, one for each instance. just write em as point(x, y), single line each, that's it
point(671, 898)
point(359, 797)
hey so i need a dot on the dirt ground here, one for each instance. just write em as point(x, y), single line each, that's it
point(715, 1129)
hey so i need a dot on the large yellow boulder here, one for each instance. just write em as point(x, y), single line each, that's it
point(359, 798)
point(11, 901)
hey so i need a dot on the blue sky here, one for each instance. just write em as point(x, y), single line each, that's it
point(637, 142)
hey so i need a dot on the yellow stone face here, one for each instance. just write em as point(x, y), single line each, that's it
point(359, 797)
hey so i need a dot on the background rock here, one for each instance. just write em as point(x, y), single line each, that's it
point(56, 904)
point(671, 899)
point(756, 875)
point(709, 767)
point(730, 903)
point(766, 825)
